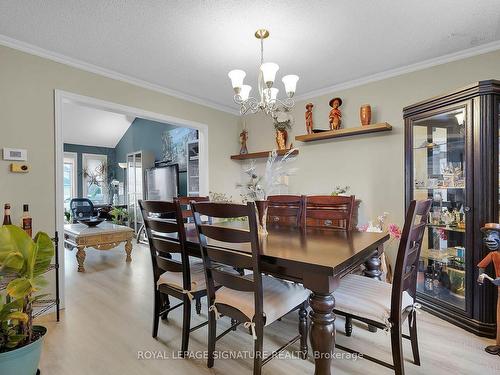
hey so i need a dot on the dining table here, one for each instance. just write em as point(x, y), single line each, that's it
point(317, 258)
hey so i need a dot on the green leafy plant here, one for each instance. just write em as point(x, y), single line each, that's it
point(340, 190)
point(23, 261)
point(119, 215)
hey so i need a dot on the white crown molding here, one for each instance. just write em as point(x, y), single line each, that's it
point(41, 52)
point(470, 52)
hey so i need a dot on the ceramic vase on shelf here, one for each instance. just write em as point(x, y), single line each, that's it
point(281, 139)
point(262, 207)
point(365, 114)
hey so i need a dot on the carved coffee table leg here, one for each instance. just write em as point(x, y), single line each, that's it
point(128, 250)
point(80, 257)
point(322, 331)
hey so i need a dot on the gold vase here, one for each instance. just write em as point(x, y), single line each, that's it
point(281, 139)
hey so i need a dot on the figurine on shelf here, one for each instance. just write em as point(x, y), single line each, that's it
point(309, 118)
point(335, 114)
point(243, 142)
point(492, 241)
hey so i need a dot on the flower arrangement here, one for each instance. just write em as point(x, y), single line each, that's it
point(260, 187)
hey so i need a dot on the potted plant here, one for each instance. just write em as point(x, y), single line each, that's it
point(23, 261)
point(119, 215)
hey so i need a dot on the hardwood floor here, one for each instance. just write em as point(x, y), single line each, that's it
point(107, 324)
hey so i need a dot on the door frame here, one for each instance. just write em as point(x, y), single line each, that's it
point(60, 98)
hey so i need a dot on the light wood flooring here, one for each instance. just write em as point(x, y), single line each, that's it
point(107, 323)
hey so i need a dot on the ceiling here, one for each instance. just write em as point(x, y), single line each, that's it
point(187, 46)
point(88, 126)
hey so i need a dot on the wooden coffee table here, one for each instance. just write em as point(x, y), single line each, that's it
point(105, 236)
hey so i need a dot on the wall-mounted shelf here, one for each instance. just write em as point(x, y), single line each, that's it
point(374, 128)
point(262, 154)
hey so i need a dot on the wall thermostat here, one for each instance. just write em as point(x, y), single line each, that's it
point(15, 154)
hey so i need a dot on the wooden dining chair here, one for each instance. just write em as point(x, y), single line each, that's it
point(286, 210)
point(175, 274)
point(185, 205)
point(379, 304)
point(255, 300)
point(326, 211)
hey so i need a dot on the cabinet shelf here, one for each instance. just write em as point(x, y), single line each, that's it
point(374, 128)
point(261, 154)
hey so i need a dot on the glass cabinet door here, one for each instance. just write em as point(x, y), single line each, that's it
point(439, 152)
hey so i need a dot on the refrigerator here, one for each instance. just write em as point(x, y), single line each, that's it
point(162, 183)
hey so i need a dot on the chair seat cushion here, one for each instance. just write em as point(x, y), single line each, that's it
point(279, 298)
point(174, 279)
point(367, 298)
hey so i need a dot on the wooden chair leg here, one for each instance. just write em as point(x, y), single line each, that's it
point(165, 303)
point(212, 336)
point(412, 325)
point(258, 346)
point(303, 330)
point(348, 326)
point(156, 313)
point(186, 324)
point(198, 306)
point(397, 349)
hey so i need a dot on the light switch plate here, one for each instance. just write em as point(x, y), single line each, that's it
point(15, 154)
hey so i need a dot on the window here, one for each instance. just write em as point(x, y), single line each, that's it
point(69, 178)
point(95, 177)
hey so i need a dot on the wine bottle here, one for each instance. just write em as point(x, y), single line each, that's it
point(27, 221)
point(6, 214)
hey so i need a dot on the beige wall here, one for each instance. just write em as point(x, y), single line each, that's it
point(27, 85)
point(371, 164)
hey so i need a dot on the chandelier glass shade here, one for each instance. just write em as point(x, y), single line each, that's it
point(267, 100)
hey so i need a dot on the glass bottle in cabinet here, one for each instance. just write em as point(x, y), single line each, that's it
point(439, 174)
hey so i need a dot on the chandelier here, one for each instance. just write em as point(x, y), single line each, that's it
point(267, 101)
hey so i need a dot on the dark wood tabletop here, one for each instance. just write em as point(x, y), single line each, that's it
point(318, 258)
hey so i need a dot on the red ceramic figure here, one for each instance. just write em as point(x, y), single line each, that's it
point(309, 118)
point(335, 114)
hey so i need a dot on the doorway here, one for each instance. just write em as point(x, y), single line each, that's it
point(63, 160)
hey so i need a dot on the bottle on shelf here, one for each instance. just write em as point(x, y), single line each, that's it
point(27, 221)
point(6, 214)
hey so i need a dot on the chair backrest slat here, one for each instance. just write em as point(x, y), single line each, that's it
point(410, 245)
point(326, 211)
point(166, 237)
point(225, 234)
point(236, 259)
point(286, 210)
point(237, 282)
point(165, 226)
point(221, 244)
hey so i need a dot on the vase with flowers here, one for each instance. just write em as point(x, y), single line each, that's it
point(259, 187)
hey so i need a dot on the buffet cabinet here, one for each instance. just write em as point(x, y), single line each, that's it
point(452, 158)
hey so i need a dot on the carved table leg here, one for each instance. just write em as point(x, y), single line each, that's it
point(128, 250)
point(80, 257)
point(374, 271)
point(322, 331)
point(373, 266)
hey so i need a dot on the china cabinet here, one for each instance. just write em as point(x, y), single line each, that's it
point(451, 157)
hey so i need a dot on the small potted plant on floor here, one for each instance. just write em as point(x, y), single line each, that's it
point(23, 261)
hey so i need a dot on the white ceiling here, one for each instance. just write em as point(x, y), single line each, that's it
point(93, 127)
point(188, 46)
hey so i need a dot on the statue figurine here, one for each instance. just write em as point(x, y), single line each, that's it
point(309, 118)
point(243, 142)
point(492, 241)
point(335, 114)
